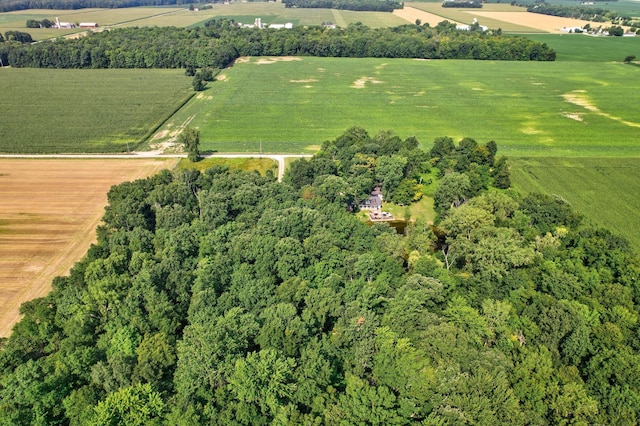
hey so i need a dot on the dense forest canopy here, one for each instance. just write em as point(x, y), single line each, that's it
point(229, 298)
point(220, 42)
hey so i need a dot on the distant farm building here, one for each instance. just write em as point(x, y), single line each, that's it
point(62, 25)
point(258, 24)
point(287, 26)
point(88, 25)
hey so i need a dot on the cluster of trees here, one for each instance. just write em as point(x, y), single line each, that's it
point(576, 12)
point(228, 298)
point(462, 4)
point(467, 170)
point(358, 5)
point(220, 42)
point(9, 5)
point(45, 23)
point(16, 36)
point(349, 167)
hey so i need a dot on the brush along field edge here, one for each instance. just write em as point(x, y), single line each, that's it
point(49, 211)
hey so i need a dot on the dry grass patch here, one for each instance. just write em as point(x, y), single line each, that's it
point(362, 82)
point(49, 210)
point(273, 60)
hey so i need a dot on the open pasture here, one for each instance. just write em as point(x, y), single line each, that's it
point(49, 210)
point(528, 108)
point(51, 111)
point(604, 190)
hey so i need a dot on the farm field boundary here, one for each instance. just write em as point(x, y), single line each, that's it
point(604, 190)
point(49, 211)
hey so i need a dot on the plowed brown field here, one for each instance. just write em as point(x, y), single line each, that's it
point(49, 210)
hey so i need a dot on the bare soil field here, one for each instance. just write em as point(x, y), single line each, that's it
point(49, 210)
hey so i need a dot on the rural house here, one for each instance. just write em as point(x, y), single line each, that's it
point(374, 202)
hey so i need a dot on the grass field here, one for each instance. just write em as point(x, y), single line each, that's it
point(583, 48)
point(548, 109)
point(605, 190)
point(48, 111)
point(49, 210)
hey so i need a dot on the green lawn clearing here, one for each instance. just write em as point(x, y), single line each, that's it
point(261, 165)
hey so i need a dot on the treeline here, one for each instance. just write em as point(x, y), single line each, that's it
point(576, 12)
point(9, 5)
point(585, 13)
point(228, 298)
point(219, 43)
point(462, 4)
point(357, 5)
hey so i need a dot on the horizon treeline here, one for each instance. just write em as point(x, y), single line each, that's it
point(11, 5)
point(229, 298)
point(220, 42)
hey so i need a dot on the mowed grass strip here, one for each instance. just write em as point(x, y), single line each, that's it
point(540, 109)
point(53, 111)
point(604, 190)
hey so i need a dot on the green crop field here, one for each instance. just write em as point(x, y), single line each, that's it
point(604, 190)
point(548, 109)
point(584, 48)
point(49, 111)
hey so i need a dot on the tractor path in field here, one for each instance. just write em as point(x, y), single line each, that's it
point(279, 158)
